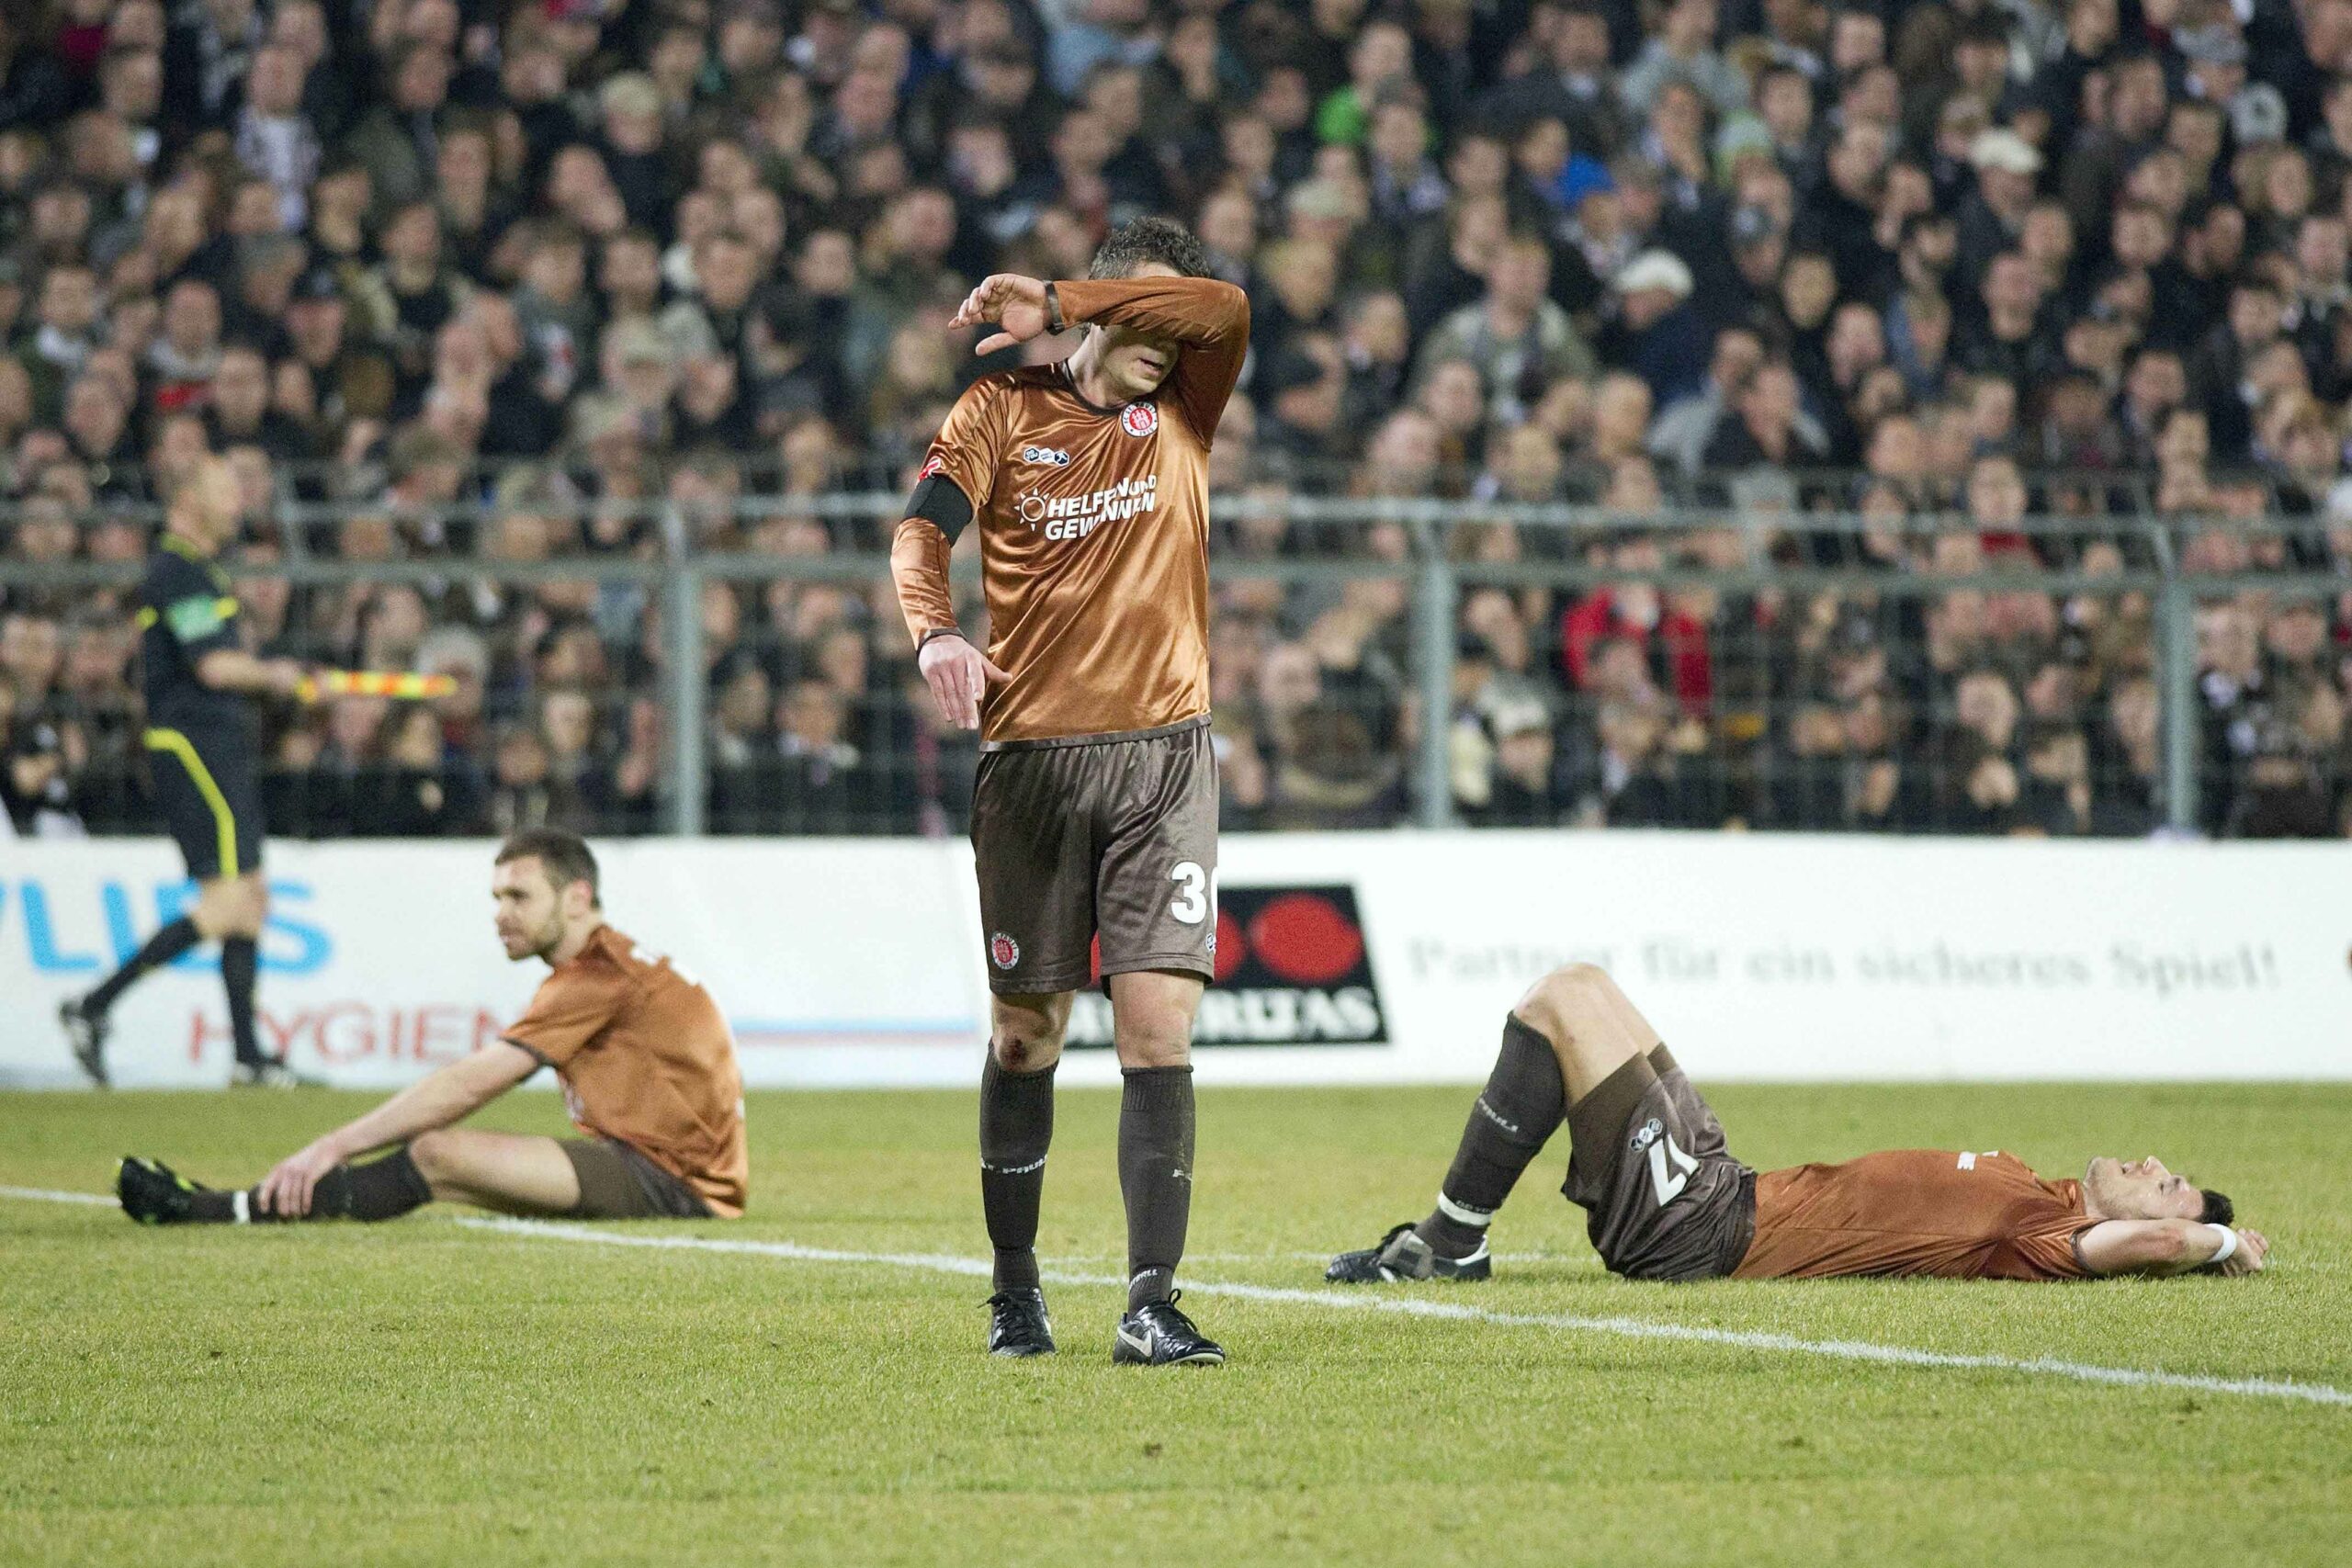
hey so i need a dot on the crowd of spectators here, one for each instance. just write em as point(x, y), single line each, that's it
point(1915, 289)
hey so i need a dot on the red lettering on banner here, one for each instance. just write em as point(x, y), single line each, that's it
point(429, 1022)
point(344, 1033)
point(337, 1045)
point(200, 1033)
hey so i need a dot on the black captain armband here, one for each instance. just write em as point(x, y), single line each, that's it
point(941, 502)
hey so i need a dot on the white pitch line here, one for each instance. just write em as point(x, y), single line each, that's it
point(51, 1195)
point(1623, 1328)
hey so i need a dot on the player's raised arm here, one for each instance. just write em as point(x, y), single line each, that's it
point(2170, 1246)
point(1207, 317)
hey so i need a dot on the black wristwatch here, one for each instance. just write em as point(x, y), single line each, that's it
point(1053, 322)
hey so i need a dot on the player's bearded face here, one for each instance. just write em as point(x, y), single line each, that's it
point(530, 914)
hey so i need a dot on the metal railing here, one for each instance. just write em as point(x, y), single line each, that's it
point(1560, 549)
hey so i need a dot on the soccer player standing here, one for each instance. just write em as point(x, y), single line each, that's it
point(1095, 811)
point(197, 677)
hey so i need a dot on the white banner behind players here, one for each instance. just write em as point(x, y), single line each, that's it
point(848, 963)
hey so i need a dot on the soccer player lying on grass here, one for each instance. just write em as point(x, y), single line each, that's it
point(1665, 1201)
point(648, 1065)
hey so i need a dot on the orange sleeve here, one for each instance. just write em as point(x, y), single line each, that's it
point(970, 446)
point(2041, 1248)
point(570, 1009)
point(919, 552)
point(1210, 318)
point(963, 455)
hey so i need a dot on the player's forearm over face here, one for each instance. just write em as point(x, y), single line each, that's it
point(1204, 312)
point(2152, 1247)
point(919, 552)
point(446, 1095)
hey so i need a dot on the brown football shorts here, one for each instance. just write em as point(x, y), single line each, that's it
point(1663, 1198)
point(618, 1183)
point(1108, 834)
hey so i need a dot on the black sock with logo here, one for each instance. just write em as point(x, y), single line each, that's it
point(1016, 1128)
point(161, 949)
point(381, 1190)
point(240, 962)
point(1155, 1176)
point(1513, 1117)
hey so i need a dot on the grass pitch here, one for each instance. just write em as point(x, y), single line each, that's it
point(432, 1392)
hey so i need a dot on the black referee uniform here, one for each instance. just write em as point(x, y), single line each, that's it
point(201, 746)
point(203, 756)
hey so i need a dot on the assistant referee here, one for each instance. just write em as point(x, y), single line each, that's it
point(197, 677)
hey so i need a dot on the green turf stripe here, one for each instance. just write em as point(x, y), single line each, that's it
point(1363, 1300)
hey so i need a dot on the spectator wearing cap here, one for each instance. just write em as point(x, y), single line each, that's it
point(1654, 331)
point(1739, 280)
point(1522, 787)
point(351, 379)
point(1993, 215)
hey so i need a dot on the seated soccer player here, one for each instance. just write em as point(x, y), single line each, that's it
point(648, 1065)
point(1666, 1200)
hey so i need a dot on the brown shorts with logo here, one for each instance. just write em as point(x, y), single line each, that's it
point(1663, 1198)
point(618, 1183)
point(1114, 834)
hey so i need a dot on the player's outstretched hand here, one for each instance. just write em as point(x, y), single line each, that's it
point(1011, 301)
point(957, 674)
point(2253, 1254)
point(286, 1189)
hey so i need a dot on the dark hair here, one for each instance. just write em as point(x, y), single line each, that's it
point(564, 856)
point(2217, 1209)
point(1148, 240)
